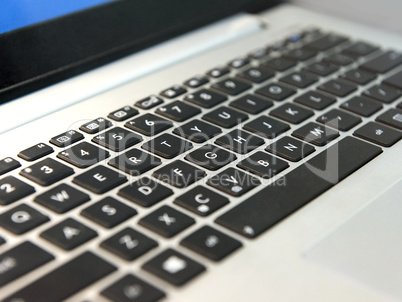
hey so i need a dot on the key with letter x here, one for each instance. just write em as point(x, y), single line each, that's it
point(166, 221)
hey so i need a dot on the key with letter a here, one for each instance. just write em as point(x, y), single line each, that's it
point(68, 234)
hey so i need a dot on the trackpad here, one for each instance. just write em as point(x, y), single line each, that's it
point(368, 247)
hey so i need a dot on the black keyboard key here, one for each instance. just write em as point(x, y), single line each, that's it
point(392, 117)
point(231, 86)
point(8, 164)
point(21, 260)
point(251, 103)
point(167, 146)
point(129, 244)
point(149, 102)
point(96, 125)
point(2, 240)
point(266, 127)
point(179, 174)
point(80, 272)
point(379, 134)
point(217, 72)
point(303, 184)
point(400, 105)
point(328, 41)
point(201, 201)
point(276, 91)
point(278, 46)
point(362, 106)
point(135, 162)
point(149, 124)
point(279, 64)
point(197, 131)
point(258, 53)
point(145, 192)
point(117, 139)
point(83, 155)
point(225, 117)
point(337, 88)
point(239, 141)
point(238, 63)
point(299, 79)
point(316, 134)
point(99, 179)
point(205, 98)
point(123, 113)
point(294, 38)
point(173, 267)
point(178, 111)
point(47, 172)
point(233, 182)
point(384, 62)
point(130, 288)
point(62, 198)
point(68, 234)
point(211, 243)
point(173, 92)
point(359, 76)
point(382, 93)
point(290, 149)
point(300, 54)
point(339, 59)
point(312, 33)
point(196, 81)
point(210, 157)
point(360, 49)
point(35, 152)
point(339, 119)
point(315, 100)
point(322, 68)
point(166, 221)
point(13, 189)
point(256, 74)
point(292, 113)
point(108, 212)
point(66, 138)
point(22, 219)
point(263, 164)
point(394, 80)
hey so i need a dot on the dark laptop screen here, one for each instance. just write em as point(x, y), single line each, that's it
point(49, 41)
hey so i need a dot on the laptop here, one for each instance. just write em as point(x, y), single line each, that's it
point(238, 150)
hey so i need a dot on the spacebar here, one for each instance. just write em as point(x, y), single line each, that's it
point(65, 280)
point(283, 197)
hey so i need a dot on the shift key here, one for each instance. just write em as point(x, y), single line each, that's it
point(300, 186)
point(20, 260)
point(65, 280)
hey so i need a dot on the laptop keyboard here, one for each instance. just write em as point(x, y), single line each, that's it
point(217, 137)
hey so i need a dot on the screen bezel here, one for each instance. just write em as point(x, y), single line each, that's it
point(42, 54)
